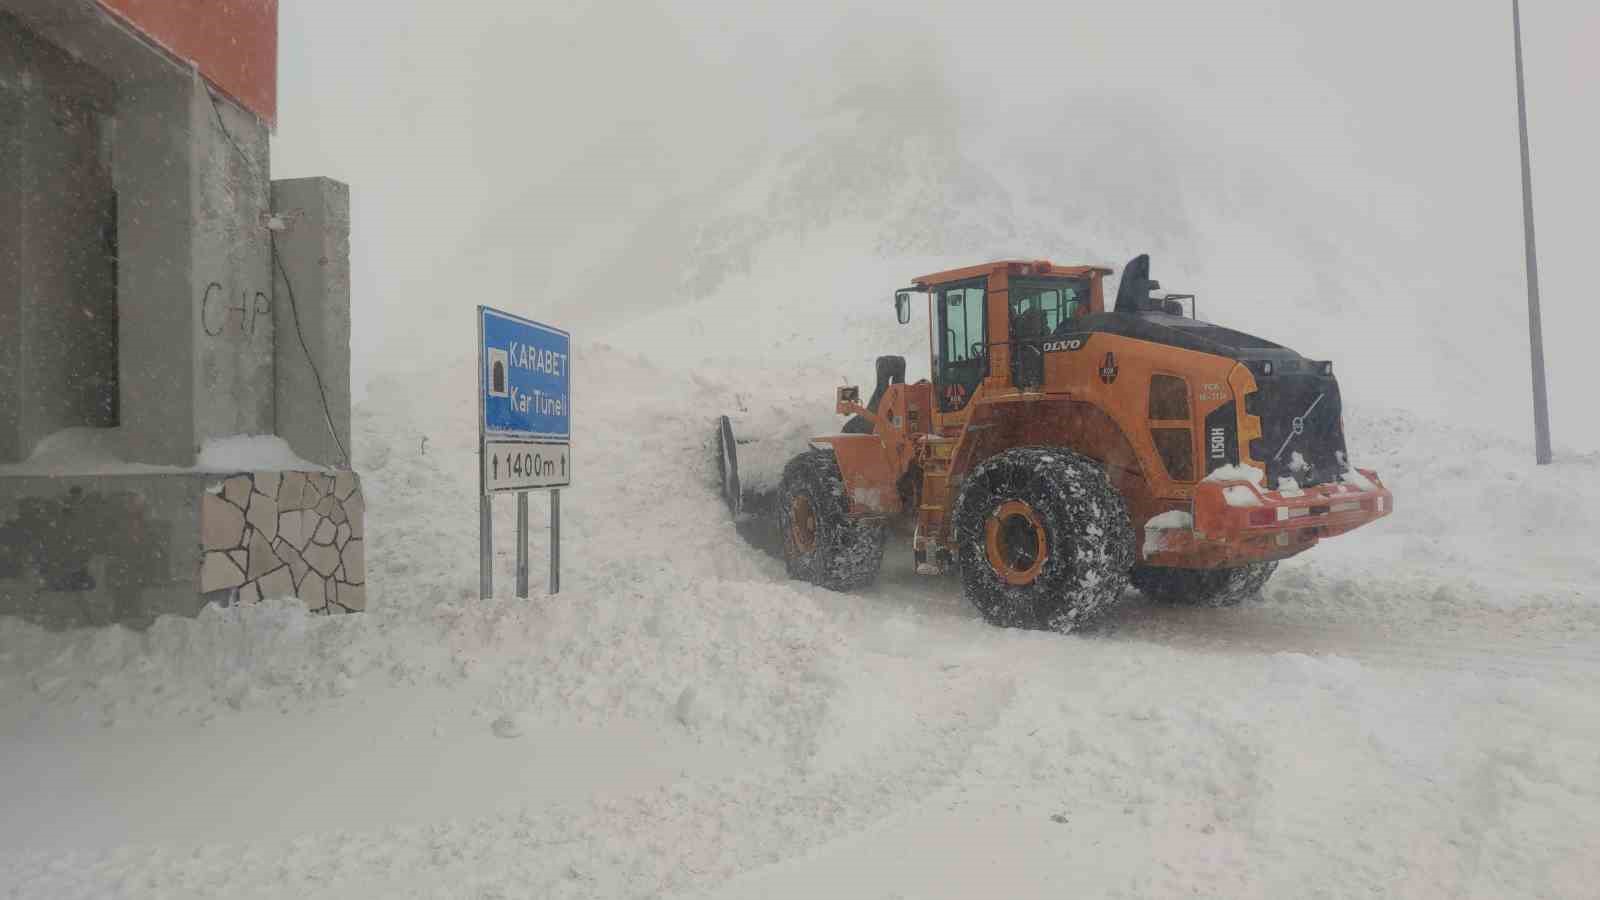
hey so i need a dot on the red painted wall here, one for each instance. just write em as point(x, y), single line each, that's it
point(234, 43)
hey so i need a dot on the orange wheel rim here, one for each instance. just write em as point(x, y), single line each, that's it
point(802, 523)
point(1014, 540)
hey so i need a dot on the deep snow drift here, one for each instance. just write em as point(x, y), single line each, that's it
point(1408, 710)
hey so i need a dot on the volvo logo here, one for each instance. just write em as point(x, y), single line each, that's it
point(1297, 426)
point(1068, 344)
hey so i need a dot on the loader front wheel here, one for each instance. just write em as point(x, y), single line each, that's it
point(1044, 539)
point(1202, 587)
point(821, 543)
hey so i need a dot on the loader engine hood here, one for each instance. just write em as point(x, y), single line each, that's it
point(1189, 334)
point(1297, 399)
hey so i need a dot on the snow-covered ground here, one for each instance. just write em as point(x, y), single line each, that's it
point(1410, 710)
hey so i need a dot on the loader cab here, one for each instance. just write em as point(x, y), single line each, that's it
point(996, 319)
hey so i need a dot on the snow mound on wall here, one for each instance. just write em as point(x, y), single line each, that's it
point(250, 452)
point(98, 451)
point(81, 451)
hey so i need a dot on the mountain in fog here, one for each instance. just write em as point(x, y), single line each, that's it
point(613, 161)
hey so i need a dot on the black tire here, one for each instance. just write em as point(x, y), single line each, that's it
point(843, 553)
point(1088, 541)
point(1202, 587)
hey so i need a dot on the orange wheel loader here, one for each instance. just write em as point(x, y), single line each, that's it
point(1064, 450)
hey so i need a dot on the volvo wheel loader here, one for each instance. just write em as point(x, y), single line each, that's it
point(1063, 450)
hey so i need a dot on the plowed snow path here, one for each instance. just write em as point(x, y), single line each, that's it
point(1554, 641)
point(1492, 644)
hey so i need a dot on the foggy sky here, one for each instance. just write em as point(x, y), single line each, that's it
point(1384, 130)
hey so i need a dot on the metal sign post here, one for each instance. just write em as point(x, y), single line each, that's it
point(555, 541)
point(1541, 403)
point(522, 544)
point(485, 508)
point(524, 431)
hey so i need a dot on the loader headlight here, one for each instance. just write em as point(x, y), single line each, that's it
point(1327, 370)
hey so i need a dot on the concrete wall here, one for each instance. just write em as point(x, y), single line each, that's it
point(313, 355)
point(11, 112)
point(232, 270)
point(196, 325)
point(57, 301)
point(108, 140)
point(156, 357)
point(187, 339)
point(92, 550)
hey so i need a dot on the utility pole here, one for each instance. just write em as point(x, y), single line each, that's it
point(1541, 408)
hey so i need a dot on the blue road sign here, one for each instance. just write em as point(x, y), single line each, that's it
point(527, 377)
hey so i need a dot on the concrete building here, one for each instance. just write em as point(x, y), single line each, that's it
point(174, 325)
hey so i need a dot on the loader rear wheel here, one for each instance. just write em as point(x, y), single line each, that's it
point(1202, 587)
point(1043, 538)
point(821, 543)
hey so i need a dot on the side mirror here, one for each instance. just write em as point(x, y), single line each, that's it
point(902, 306)
point(846, 399)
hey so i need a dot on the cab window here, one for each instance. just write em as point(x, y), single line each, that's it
point(963, 345)
point(1042, 309)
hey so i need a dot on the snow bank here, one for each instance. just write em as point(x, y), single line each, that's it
point(250, 452)
point(855, 737)
point(81, 451)
point(98, 451)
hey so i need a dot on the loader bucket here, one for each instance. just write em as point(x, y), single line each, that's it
point(728, 466)
point(749, 487)
point(750, 462)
